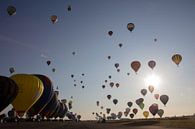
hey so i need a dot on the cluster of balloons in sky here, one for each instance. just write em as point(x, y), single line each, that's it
point(153, 108)
point(33, 95)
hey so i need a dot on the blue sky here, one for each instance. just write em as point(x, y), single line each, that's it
point(28, 39)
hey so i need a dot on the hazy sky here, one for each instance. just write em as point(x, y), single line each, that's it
point(28, 39)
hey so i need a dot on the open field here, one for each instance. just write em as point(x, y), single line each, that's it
point(125, 124)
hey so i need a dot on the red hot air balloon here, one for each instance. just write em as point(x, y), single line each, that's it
point(135, 65)
point(135, 110)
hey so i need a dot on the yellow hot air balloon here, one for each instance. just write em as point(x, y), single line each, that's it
point(176, 58)
point(30, 90)
point(146, 114)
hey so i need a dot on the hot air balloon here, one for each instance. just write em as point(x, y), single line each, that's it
point(69, 8)
point(128, 110)
point(73, 53)
point(164, 99)
point(78, 117)
point(143, 92)
point(8, 91)
point(75, 85)
point(45, 97)
point(126, 113)
point(151, 64)
point(142, 105)
point(83, 74)
point(146, 114)
point(106, 81)
point(102, 107)
point(156, 96)
point(130, 26)
point(116, 65)
point(53, 70)
point(11, 10)
point(114, 116)
point(115, 101)
point(103, 86)
point(129, 103)
point(153, 109)
point(48, 62)
point(109, 57)
point(160, 112)
point(151, 88)
point(135, 110)
point(54, 19)
point(52, 107)
point(128, 74)
point(117, 85)
point(83, 87)
point(109, 76)
point(139, 101)
point(63, 111)
point(110, 33)
point(111, 84)
point(177, 58)
point(109, 97)
point(31, 89)
point(135, 65)
point(108, 110)
point(155, 39)
point(81, 82)
point(120, 45)
point(97, 103)
point(11, 70)
point(118, 70)
point(131, 115)
point(119, 115)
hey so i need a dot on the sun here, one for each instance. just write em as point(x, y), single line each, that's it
point(153, 80)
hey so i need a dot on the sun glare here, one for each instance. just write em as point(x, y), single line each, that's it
point(153, 80)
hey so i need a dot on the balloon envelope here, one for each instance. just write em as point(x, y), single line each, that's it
point(30, 90)
point(153, 109)
point(8, 91)
point(177, 58)
point(11, 10)
point(45, 97)
point(164, 99)
point(135, 65)
point(115, 101)
point(130, 26)
point(160, 112)
point(146, 114)
point(143, 92)
point(129, 103)
point(151, 64)
point(151, 88)
point(135, 110)
point(54, 19)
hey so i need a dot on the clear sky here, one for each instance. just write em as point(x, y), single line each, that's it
point(28, 39)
